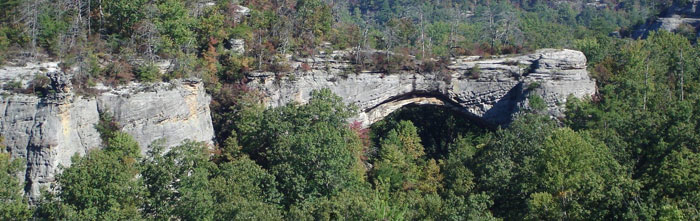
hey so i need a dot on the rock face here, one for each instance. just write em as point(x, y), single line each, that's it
point(490, 90)
point(671, 20)
point(175, 112)
point(48, 131)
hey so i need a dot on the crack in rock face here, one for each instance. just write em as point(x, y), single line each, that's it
point(48, 131)
point(493, 95)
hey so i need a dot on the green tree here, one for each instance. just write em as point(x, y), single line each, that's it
point(244, 190)
point(576, 180)
point(52, 23)
point(176, 25)
point(459, 179)
point(309, 148)
point(314, 16)
point(121, 15)
point(537, 171)
point(178, 182)
point(147, 73)
point(103, 184)
point(470, 207)
point(400, 157)
point(676, 184)
point(13, 206)
point(502, 171)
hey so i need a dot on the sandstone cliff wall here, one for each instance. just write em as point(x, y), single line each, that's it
point(499, 89)
point(48, 131)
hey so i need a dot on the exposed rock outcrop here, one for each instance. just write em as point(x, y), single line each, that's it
point(490, 90)
point(48, 131)
point(673, 19)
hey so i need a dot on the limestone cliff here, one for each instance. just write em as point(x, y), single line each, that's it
point(490, 90)
point(48, 131)
point(673, 19)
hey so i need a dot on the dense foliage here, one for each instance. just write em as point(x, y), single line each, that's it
point(630, 152)
point(12, 204)
point(117, 41)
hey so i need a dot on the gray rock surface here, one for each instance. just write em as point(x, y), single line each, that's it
point(672, 19)
point(25, 73)
point(499, 89)
point(237, 45)
point(48, 131)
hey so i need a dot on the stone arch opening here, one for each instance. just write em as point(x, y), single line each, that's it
point(439, 123)
point(380, 111)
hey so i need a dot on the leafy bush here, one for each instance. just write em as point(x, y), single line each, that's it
point(107, 126)
point(533, 86)
point(50, 28)
point(474, 72)
point(279, 67)
point(233, 67)
point(4, 44)
point(12, 205)
point(147, 73)
point(118, 72)
point(14, 86)
point(536, 103)
point(40, 85)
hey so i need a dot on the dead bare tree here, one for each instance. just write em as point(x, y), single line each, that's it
point(422, 33)
point(146, 36)
point(29, 17)
point(501, 24)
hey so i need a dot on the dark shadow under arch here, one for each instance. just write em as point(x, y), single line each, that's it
point(418, 98)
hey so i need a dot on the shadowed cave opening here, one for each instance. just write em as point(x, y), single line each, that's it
point(438, 126)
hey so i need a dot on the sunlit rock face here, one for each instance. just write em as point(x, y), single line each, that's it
point(489, 90)
point(47, 131)
point(675, 18)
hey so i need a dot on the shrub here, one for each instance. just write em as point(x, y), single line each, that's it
point(14, 86)
point(279, 67)
point(533, 85)
point(474, 72)
point(536, 103)
point(118, 72)
point(233, 67)
point(305, 67)
point(445, 76)
point(380, 63)
point(147, 73)
point(40, 85)
point(4, 44)
point(431, 65)
point(428, 65)
point(107, 126)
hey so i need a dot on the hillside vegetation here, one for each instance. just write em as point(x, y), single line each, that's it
point(631, 152)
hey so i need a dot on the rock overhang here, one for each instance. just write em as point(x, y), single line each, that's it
point(500, 89)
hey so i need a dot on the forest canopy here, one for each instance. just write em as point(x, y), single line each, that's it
point(630, 152)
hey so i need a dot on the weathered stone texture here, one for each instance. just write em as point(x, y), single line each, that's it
point(48, 131)
point(499, 89)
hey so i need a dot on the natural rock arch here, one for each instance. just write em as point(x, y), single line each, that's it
point(382, 110)
point(499, 89)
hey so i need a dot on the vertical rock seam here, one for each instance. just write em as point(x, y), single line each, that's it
point(48, 131)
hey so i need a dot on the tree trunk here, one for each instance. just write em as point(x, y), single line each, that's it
point(422, 35)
